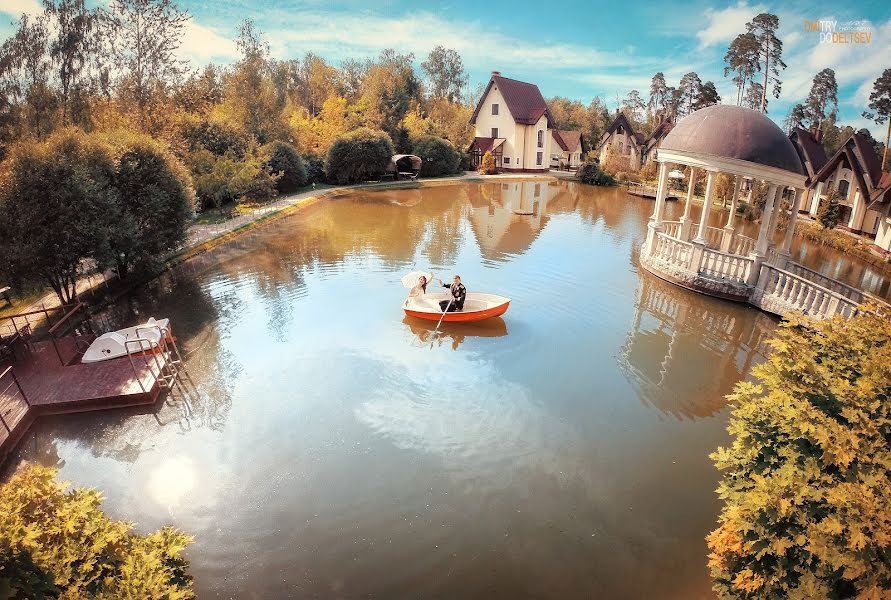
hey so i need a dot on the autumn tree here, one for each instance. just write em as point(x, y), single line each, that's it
point(445, 72)
point(742, 59)
point(880, 106)
point(24, 73)
point(770, 51)
point(487, 164)
point(806, 480)
point(145, 36)
point(56, 542)
point(58, 206)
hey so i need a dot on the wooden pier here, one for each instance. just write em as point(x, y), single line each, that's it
point(38, 384)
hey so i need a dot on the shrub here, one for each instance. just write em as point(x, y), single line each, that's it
point(315, 169)
point(216, 137)
point(829, 210)
point(58, 543)
point(282, 157)
point(358, 156)
point(223, 179)
point(466, 162)
point(155, 200)
point(439, 156)
point(487, 164)
point(807, 478)
point(589, 172)
point(649, 171)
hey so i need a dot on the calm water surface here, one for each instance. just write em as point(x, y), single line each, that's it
point(332, 447)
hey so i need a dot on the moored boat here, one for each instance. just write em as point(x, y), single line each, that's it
point(477, 307)
point(114, 344)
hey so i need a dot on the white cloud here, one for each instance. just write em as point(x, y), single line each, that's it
point(724, 25)
point(18, 8)
point(202, 44)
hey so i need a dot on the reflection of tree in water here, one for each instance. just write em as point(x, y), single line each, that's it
point(684, 351)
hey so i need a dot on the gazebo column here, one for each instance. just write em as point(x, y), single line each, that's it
point(761, 243)
point(655, 224)
point(686, 220)
point(729, 228)
point(775, 217)
point(790, 226)
point(706, 207)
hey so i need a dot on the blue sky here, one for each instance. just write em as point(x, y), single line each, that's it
point(574, 49)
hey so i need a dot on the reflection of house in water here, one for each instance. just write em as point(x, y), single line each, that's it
point(507, 218)
point(684, 352)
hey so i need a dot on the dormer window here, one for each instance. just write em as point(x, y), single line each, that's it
point(540, 138)
point(494, 109)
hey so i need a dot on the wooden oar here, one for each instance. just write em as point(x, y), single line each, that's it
point(435, 331)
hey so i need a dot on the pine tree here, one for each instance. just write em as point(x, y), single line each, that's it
point(880, 105)
point(770, 50)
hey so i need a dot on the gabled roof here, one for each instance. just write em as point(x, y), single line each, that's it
point(622, 120)
point(858, 155)
point(811, 152)
point(486, 144)
point(524, 100)
point(570, 141)
point(664, 127)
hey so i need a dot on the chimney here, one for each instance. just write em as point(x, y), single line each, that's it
point(496, 73)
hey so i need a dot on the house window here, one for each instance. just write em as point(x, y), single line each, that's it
point(494, 132)
point(540, 139)
point(506, 160)
point(621, 147)
point(494, 109)
point(538, 157)
point(843, 188)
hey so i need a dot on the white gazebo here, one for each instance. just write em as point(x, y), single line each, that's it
point(718, 261)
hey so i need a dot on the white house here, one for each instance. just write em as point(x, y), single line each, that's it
point(513, 123)
point(856, 173)
point(567, 147)
point(621, 142)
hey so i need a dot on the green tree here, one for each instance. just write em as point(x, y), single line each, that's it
point(770, 50)
point(439, 156)
point(283, 158)
point(798, 116)
point(155, 202)
point(445, 71)
point(822, 101)
point(24, 72)
point(708, 96)
point(634, 107)
point(742, 60)
point(807, 478)
point(56, 542)
point(74, 46)
point(58, 207)
point(358, 156)
point(689, 87)
point(754, 97)
point(223, 179)
point(658, 93)
point(880, 107)
point(829, 210)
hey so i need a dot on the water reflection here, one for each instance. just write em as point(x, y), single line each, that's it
point(453, 333)
point(511, 458)
point(676, 335)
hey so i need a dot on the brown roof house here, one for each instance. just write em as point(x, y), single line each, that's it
point(622, 142)
point(856, 173)
point(512, 121)
point(567, 148)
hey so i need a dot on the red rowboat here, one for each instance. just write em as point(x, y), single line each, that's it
point(477, 307)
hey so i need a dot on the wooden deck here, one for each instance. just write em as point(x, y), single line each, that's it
point(51, 388)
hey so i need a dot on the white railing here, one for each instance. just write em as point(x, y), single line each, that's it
point(742, 245)
point(721, 265)
point(780, 291)
point(851, 293)
point(674, 252)
point(671, 228)
point(774, 257)
point(713, 237)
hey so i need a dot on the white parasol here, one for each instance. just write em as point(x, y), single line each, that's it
point(675, 174)
point(411, 280)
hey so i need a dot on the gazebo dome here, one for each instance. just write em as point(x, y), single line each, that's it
point(734, 132)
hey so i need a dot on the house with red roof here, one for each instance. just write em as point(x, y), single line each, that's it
point(512, 122)
point(855, 172)
point(621, 142)
point(567, 148)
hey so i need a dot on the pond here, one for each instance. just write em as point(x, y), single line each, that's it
point(330, 446)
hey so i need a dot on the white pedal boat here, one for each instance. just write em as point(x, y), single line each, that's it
point(477, 307)
point(114, 343)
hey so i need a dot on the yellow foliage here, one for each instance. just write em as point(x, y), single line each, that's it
point(807, 479)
